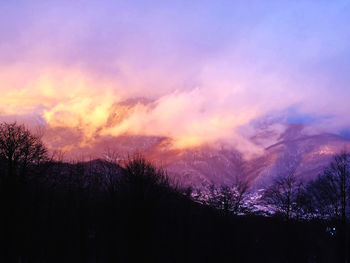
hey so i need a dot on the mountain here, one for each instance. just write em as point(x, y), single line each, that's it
point(308, 154)
point(222, 164)
point(281, 151)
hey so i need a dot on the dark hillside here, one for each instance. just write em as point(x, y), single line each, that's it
point(142, 216)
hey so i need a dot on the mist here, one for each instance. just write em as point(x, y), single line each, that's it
point(198, 73)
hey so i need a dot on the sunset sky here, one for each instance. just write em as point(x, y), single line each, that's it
point(197, 71)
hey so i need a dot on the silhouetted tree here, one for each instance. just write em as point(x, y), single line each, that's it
point(111, 172)
point(284, 194)
point(330, 194)
point(230, 198)
point(141, 177)
point(19, 148)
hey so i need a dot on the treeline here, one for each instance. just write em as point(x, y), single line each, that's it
point(107, 211)
point(287, 196)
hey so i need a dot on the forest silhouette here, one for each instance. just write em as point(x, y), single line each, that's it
point(107, 210)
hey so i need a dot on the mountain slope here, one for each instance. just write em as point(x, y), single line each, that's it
point(308, 154)
point(221, 163)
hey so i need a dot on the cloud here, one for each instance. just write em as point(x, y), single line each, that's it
point(207, 78)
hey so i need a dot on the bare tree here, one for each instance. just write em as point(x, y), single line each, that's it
point(330, 192)
point(284, 194)
point(330, 195)
point(229, 198)
point(144, 174)
point(19, 148)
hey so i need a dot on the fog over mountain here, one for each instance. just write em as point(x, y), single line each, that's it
point(220, 164)
point(278, 151)
point(206, 89)
point(181, 131)
point(256, 152)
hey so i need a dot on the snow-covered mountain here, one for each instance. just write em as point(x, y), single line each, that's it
point(308, 154)
point(281, 151)
point(222, 164)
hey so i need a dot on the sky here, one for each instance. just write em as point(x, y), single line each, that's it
point(196, 71)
